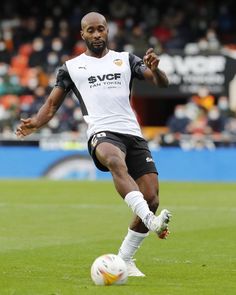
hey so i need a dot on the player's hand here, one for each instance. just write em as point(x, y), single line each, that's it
point(26, 127)
point(151, 60)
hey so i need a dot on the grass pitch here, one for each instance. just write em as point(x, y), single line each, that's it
point(51, 231)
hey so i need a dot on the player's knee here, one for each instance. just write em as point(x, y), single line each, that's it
point(115, 164)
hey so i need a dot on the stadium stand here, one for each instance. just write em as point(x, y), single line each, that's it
point(36, 40)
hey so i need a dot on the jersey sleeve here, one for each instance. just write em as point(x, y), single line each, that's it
point(137, 66)
point(63, 79)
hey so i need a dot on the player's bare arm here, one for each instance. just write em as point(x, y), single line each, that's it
point(44, 115)
point(153, 73)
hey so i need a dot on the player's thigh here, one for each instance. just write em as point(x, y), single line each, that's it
point(103, 147)
point(107, 153)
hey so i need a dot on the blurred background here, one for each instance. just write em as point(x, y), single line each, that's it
point(190, 126)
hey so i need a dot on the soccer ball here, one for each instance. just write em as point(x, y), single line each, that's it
point(109, 269)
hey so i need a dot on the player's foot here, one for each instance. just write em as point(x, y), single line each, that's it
point(133, 271)
point(159, 224)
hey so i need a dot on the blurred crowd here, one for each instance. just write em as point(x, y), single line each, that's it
point(202, 122)
point(36, 39)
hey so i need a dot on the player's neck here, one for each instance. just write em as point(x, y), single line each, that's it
point(97, 55)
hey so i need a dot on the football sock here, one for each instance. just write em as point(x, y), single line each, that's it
point(130, 244)
point(138, 204)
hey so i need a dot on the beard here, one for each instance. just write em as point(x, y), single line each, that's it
point(96, 49)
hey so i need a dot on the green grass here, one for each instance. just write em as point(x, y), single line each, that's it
point(50, 233)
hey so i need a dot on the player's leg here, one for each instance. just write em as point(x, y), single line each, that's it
point(137, 232)
point(142, 168)
point(113, 158)
point(149, 186)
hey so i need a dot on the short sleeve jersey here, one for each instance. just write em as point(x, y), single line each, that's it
point(103, 87)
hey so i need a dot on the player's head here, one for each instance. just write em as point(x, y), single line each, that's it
point(94, 31)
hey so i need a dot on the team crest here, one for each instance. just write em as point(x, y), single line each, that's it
point(118, 62)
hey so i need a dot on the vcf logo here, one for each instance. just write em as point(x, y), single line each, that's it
point(108, 77)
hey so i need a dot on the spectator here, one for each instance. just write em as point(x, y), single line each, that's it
point(224, 109)
point(138, 40)
point(31, 39)
point(204, 99)
point(215, 120)
point(199, 125)
point(5, 56)
point(178, 122)
point(38, 56)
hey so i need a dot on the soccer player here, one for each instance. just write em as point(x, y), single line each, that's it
point(101, 79)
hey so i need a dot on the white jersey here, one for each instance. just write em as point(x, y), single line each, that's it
point(103, 86)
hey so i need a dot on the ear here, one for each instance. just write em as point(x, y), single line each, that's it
point(82, 34)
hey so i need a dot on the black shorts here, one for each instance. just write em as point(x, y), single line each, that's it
point(138, 156)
